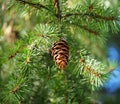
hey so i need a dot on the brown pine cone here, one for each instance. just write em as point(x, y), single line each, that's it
point(60, 53)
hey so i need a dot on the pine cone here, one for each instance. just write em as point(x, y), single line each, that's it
point(60, 53)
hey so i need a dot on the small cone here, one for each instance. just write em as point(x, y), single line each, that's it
point(60, 53)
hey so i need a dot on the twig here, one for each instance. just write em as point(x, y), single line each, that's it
point(15, 89)
point(72, 14)
point(16, 52)
point(66, 84)
point(36, 5)
point(111, 18)
point(58, 10)
point(87, 29)
point(89, 69)
point(13, 55)
point(95, 73)
point(66, 99)
point(93, 15)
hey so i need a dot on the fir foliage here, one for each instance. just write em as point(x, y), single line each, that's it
point(32, 76)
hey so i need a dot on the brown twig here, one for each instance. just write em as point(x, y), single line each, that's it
point(97, 74)
point(111, 18)
point(15, 89)
point(16, 52)
point(12, 55)
point(58, 10)
point(72, 14)
point(87, 29)
point(27, 60)
point(66, 98)
point(36, 5)
point(88, 68)
point(93, 15)
point(90, 8)
point(66, 95)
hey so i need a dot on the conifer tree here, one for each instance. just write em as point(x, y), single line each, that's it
point(58, 52)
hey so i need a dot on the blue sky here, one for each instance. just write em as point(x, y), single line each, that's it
point(113, 83)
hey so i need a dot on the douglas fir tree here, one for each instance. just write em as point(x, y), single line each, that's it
point(59, 56)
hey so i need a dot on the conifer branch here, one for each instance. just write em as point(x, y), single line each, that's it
point(93, 15)
point(91, 69)
point(36, 5)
